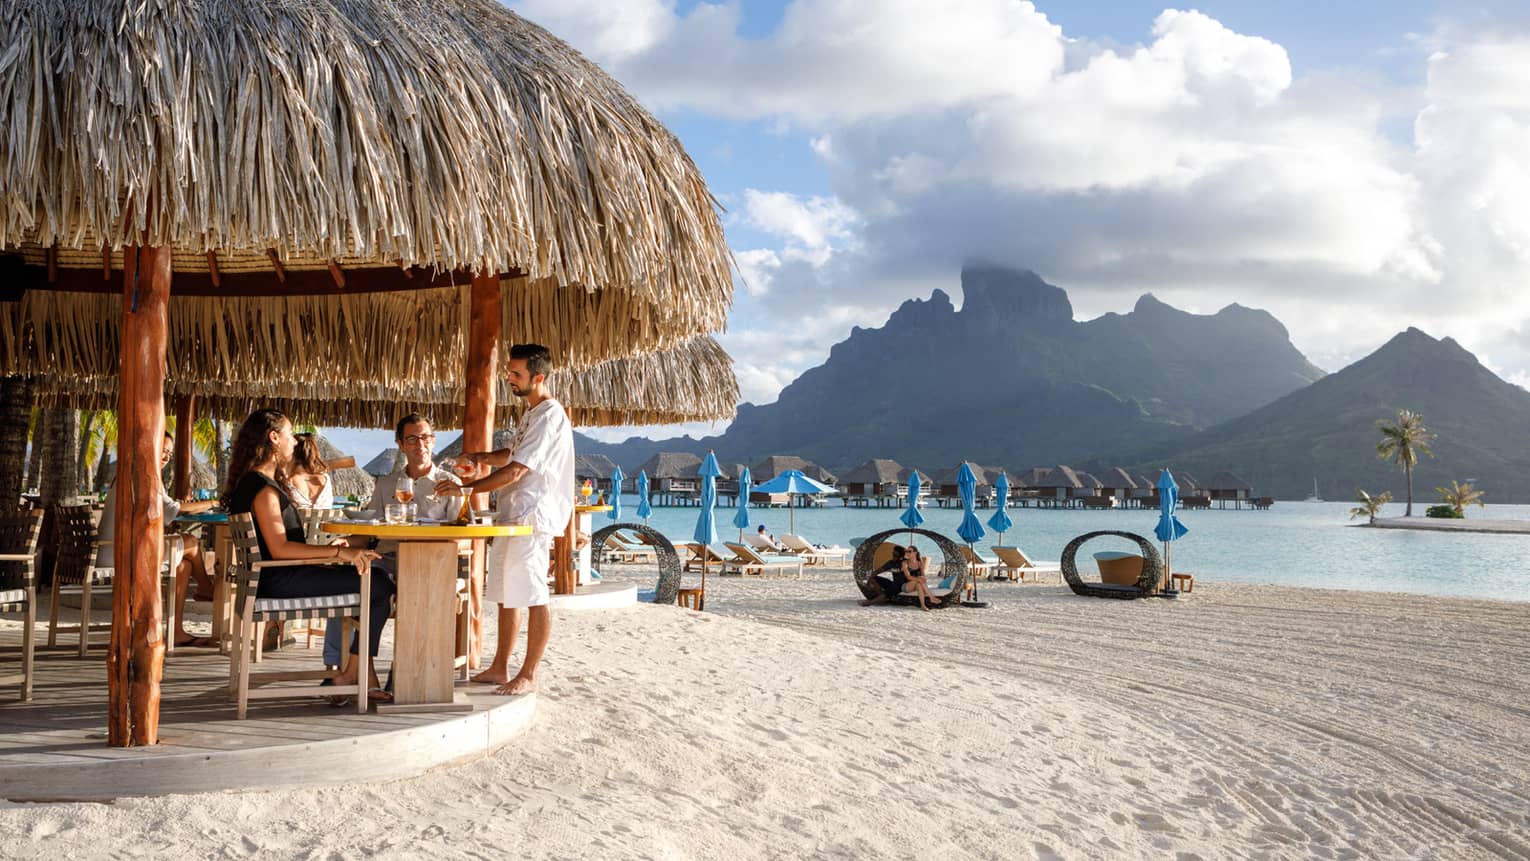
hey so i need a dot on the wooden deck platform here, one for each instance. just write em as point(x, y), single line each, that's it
point(54, 748)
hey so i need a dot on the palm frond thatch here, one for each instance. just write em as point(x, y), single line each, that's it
point(450, 134)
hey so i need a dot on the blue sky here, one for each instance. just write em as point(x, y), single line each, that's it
point(1352, 167)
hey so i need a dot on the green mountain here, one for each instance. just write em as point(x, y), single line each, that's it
point(1012, 379)
point(1328, 431)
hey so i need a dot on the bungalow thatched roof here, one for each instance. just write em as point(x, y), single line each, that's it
point(1228, 481)
point(1117, 478)
point(1032, 477)
point(1059, 476)
point(593, 466)
point(351, 481)
point(312, 156)
point(1187, 482)
point(878, 470)
point(986, 475)
point(1088, 480)
point(386, 461)
point(671, 464)
point(776, 464)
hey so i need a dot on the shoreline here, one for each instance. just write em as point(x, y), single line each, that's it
point(1441, 524)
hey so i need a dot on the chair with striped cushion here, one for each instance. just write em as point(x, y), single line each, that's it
point(19, 531)
point(252, 611)
point(313, 519)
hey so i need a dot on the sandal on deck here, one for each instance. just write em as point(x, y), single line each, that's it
point(378, 695)
point(195, 643)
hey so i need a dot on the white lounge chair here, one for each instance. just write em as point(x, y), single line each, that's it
point(761, 543)
point(1014, 562)
point(747, 560)
point(811, 554)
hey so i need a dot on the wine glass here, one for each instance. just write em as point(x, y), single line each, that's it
point(404, 494)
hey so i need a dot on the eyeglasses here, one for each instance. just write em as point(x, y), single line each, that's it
point(416, 439)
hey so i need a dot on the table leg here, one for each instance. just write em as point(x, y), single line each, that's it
point(563, 569)
point(475, 602)
point(423, 641)
point(223, 549)
point(586, 525)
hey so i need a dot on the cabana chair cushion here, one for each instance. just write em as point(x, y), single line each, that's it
point(1146, 585)
point(664, 553)
point(12, 599)
point(947, 582)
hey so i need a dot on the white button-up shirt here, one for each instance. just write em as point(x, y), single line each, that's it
point(544, 498)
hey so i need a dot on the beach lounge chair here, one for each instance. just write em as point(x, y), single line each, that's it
point(747, 560)
point(695, 553)
point(762, 544)
point(621, 547)
point(976, 564)
point(813, 555)
point(1014, 562)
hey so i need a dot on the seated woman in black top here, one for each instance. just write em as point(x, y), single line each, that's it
point(260, 453)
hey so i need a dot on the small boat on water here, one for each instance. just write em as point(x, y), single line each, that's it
point(1313, 496)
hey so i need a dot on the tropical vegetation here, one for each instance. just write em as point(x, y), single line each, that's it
point(1369, 506)
point(1459, 495)
point(1403, 440)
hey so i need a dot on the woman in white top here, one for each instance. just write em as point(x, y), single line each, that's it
point(308, 478)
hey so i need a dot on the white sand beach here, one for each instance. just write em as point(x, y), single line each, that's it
point(786, 721)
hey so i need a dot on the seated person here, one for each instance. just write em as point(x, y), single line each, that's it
point(308, 480)
point(888, 591)
point(261, 451)
point(191, 567)
point(915, 567)
point(763, 540)
point(417, 477)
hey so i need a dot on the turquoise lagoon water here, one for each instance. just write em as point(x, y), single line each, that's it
point(1292, 544)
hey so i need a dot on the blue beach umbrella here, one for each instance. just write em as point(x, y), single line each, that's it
point(793, 482)
point(741, 519)
point(970, 529)
point(911, 516)
point(644, 510)
point(616, 494)
point(706, 522)
point(1000, 522)
point(1169, 528)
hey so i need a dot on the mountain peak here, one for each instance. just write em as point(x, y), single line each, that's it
point(1414, 342)
point(1012, 295)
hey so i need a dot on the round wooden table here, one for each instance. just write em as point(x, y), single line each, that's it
point(423, 646)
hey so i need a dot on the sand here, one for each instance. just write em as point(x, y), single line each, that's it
point(1240, 721)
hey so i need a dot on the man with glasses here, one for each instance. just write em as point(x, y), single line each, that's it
point(419, 473)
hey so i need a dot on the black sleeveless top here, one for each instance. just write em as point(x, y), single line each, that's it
point(243, 497)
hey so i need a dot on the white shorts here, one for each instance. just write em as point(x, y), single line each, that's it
point(517, 570)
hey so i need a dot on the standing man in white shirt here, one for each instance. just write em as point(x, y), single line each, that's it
point(535, 481)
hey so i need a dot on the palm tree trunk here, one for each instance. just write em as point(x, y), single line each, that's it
point(87, 419)
point(61, 437)
point(15, 413)
point(103, 466)
point(1408, 471)
point(34, 460)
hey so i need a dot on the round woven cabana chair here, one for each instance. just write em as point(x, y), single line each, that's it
point(1146, 585)
point(954, 565)
point(668, 587)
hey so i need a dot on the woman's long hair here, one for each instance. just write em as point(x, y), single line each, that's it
point(252, 447)
point(306, 456)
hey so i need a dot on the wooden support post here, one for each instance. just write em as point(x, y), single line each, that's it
point(136, 659)
point(565, 578)
point(185, 421)
point(478, 415)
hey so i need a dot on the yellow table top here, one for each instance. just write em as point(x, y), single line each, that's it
point(421, 532)
point(585, 509)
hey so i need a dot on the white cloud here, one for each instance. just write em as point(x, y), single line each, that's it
point(1195, 164)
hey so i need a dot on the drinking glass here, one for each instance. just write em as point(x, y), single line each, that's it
point(395, 512)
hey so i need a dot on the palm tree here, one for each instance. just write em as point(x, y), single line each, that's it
point(1403, 440)
point(15, 413)
point(1369, 506)
point(1459, 495)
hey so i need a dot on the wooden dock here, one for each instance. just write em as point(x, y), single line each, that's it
point(54, 748)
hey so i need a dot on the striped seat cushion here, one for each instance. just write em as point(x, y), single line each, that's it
point(323, 606)
point(12, 596)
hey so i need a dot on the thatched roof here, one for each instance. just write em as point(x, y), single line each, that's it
point(672, 464)
point(386, 461)
point(1228, 481)
point(1117, 478)
point(692, 382)
point(301, 147)
point(1058, 476)
point(1032, 477)
point(593, 466)
point(1186, 482)
point(878, 470)
point(986, 475)
point(1088, 480)
point(776, 464)
point(351, 481)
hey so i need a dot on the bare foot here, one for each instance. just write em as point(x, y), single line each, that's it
point(491, 676)
point(517, 685)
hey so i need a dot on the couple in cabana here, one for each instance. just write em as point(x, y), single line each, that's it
point(530, 479)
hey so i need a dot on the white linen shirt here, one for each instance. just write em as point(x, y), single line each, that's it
point(544, 497)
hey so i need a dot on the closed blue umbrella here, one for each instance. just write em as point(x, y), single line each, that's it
point(793, 482)
point(616, 494)
point(706, 522)
point(969, 529)
point(1000, 522)
point(741, 519)
point(1169, 528)
point(644, 510)
point(911, 516)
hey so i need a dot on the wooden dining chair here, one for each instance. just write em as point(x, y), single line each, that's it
point(19, 532)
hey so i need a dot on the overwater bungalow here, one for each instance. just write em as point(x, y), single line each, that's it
point(1092, 493)
point(596, 469)
point(1119, 485)
point(948, 492)
point(880, 482)
point(776, 464)
point(672, 478)
point(1192, 494)
point(1057, 487)
point(1225, 487)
